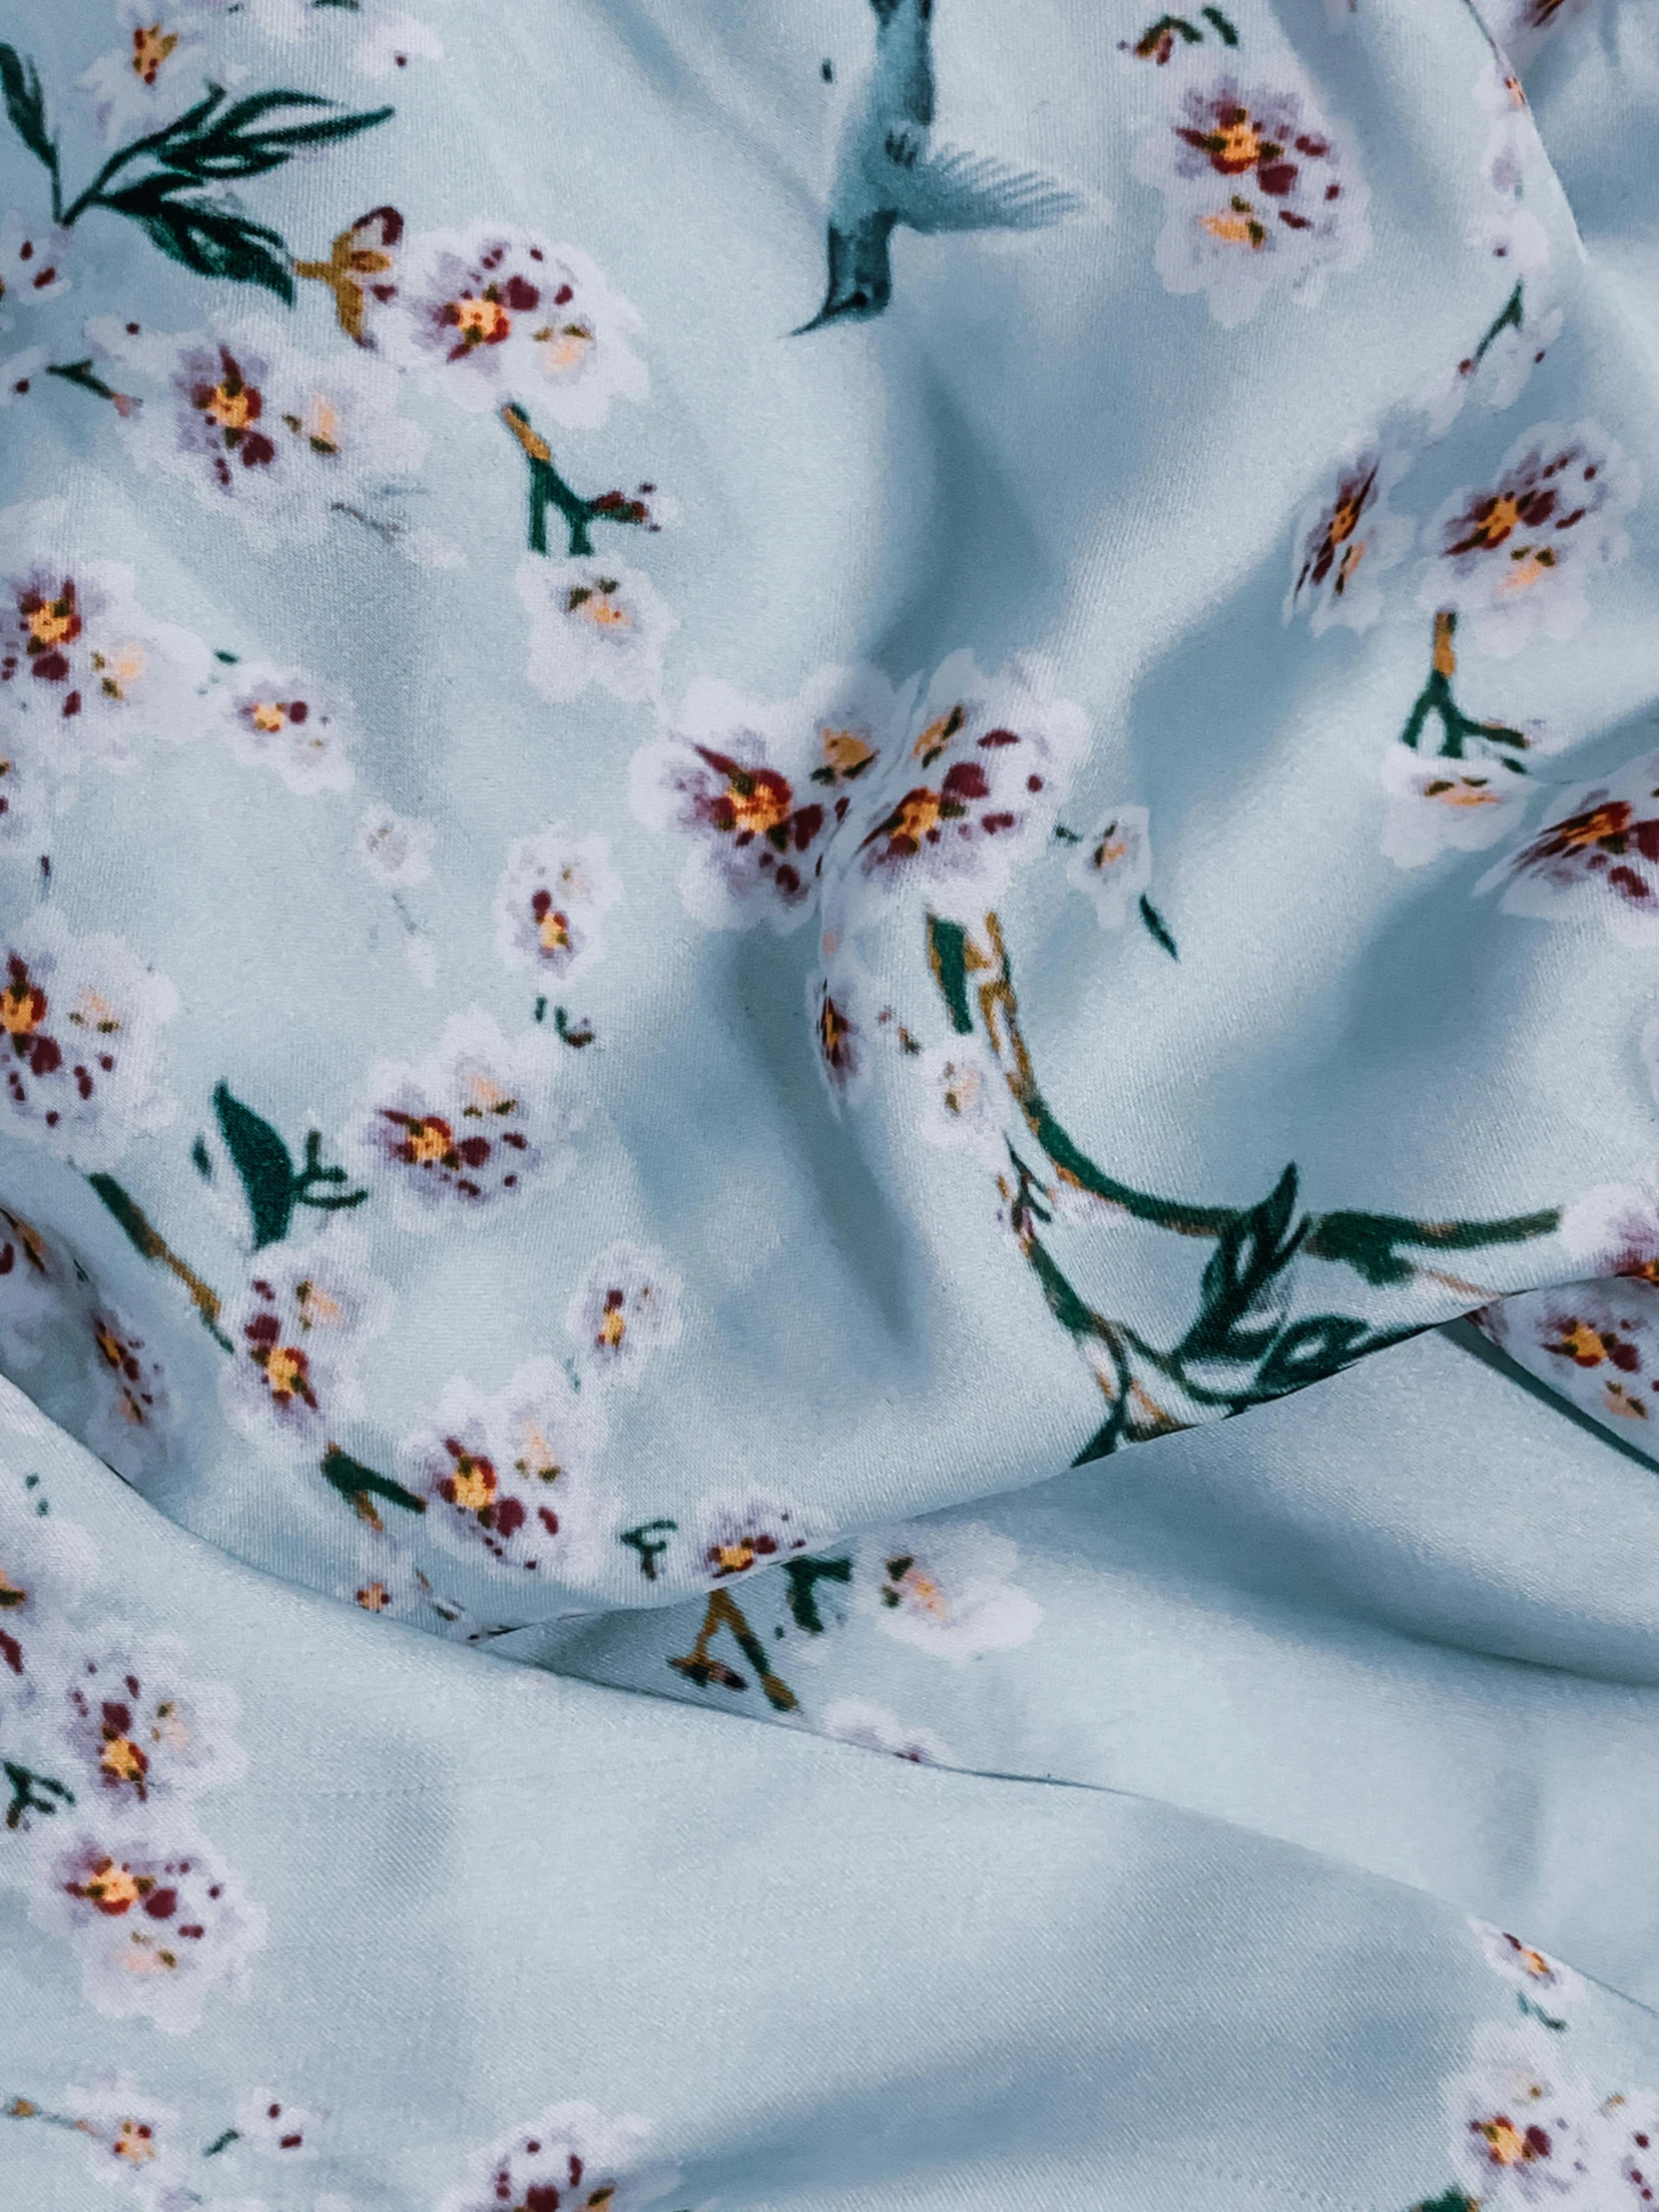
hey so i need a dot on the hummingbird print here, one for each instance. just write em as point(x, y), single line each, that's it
point(891, 170)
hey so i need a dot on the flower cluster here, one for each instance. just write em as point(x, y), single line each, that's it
point(296, 1329)
point(572, 2160)
point(554, 889)
point(1596, 854)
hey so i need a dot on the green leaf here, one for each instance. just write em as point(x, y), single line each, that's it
point(1453, 2201)
point(26, 105)
point(1157, 927)
point(354, 1482)
point(263, 1163)
point(1245, 1282)
point(213, 243)
point(802, 1576)
point(948, 957)
point(1371, 1244)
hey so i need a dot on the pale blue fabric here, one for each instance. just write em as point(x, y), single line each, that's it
point(774, 787)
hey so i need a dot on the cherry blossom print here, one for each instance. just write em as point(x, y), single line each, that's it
point(593, 623)
point(1344, 541)
point(944, 1587)
point(298, 1329)
point(628, 1307)
point(1630, 2126)
point(757, 787)
point(510, 1480)
point(1596, 854)
point(153, 72)
point(81, 1047)
point(548, 904)
point(257, 430)
point(38, 1290)
point(394, 848)
point(274, 2126)
point(1614, 1228)
point(1434, 805)
point(1516, 343)
point(19, 372)
point(852, 1720)
point(573, 2160)
point(1541, 1979)
point(379, 42)
point(1112, 866)
point(139, 1732)
point(964, 1102)
point(984, 764)
point(732, 1538)
point(89, 673)
point(133, 2140)
point(1523, 2133)
point(468, 1128)
point(46, 1568)
point(132, 1415)
point(846, 1015)
point(1597, 1344)
point(1261, 194)
point(160, 1926)
point(1515, 554)
point(32, 262)
point(285, 721)
point(494, 315)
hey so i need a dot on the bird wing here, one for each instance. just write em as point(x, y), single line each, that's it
point(956, 190)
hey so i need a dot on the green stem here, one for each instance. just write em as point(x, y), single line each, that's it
point(148, 1241)
point(1437, 699)
point(1508, 317)
point(26, 1787)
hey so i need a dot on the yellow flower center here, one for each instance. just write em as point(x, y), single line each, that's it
point(554, 931)
point(232, 410)
point(1239, 145)
point(374, 1597)
point(478, 320)
point(51, 624)
point(150, 47)
point(1585, 1344)
point(938, 734)
point(762, 806)
point(475, 1484)
point(1498, 521)
point(123, 1759)
point(735, 1558)
point(20, 1012)
point(268, 715)
point(113, 1888)
point(1524, 572)
point(109, 1345)
point(1505, 2144)
point(135, 2142)
point(284, 1371)
point(921, 1592)
point(428, 1142)
point(613, 1327)
point(604, 612)
point(916, 813)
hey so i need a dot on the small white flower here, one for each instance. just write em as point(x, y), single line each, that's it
point(284, 720)
point(395, 847)
point(1596, 854)
point(510, 1482)
point(1614, 1228)
point(627, 1307)
point(854, 1720)
point(573, 2157)
point(259, 430)
point(133, 2140)
point(1436, 806)
point(944, 1587)
point(975, 782)
point(159, 1923)
point(81, 1050)
point(733, 1537)
point(156, 72)
point(964, 1101)
point(1345, 542)
point(593, 622)
point(297, 1327)
point(468, 1127)
point(142, 1733)
point(1113, 864)
point(1539, 1977)
point(38, 1290)
point(1597, 1344)
point(274, 2127)
point(494, 315)
point(1523, 2134)
point(1261, 194)
point(32, 262)
point(549, 900)
point(1514, 555)
point(758, 788)
point(131, 1416)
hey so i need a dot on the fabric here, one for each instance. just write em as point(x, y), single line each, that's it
point(776, 787)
